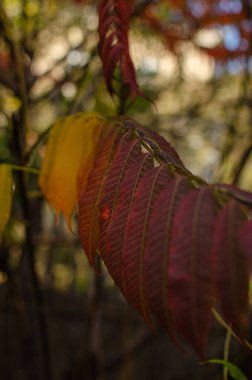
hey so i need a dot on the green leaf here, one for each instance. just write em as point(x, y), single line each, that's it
point(234, 371)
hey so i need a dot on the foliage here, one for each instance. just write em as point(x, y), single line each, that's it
point(234, 371)
point(175, 245)
point(187, 18)
point(114, 18)
point(75, 139)
point(165, 235)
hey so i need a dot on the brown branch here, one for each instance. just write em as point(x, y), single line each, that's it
point(27, 263)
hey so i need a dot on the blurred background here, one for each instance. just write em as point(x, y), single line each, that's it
point(58, 320)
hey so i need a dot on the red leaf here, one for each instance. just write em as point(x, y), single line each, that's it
point(117, 229)
point(110, 65)
point(189, 270)
point(245, 237)
point(156, 257)
point(136, 237)
point(128, 151)
point(114, 19)
point(157, 143)
point(89, 201)
point(240, 195)
point(167, 250)
point(230, 267)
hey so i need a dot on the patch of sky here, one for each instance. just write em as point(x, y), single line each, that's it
point(198, 8)
point(235, 66)
point(231, 37)
point(229, 6)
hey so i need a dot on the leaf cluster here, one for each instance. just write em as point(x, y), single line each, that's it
point(174, 245)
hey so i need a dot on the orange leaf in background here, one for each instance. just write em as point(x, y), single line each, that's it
point(5, 195)
point(70, 149)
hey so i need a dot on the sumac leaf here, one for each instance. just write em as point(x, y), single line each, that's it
point(245, 237)
point(231, 267)
point(157, 143)
point(240, 195)
point(114, 19)
point(89, 211)
point(171, 250)
point(128, 151)
point(156, 257)
point(117, 229)
point(189, 270)
point(136, 238)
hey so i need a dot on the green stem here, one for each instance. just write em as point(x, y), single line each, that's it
point(226, 353)
point(25, 169)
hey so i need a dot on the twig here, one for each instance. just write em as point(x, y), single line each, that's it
point(41, 139)
point(242, 164)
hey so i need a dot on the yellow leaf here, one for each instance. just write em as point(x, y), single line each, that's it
point(5, 195)
point(71, 148)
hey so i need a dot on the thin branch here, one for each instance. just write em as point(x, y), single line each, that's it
point(38, 143)
point(242, 164)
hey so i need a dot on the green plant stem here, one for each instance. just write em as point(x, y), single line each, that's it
point(25, 169)
point(226, 352)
